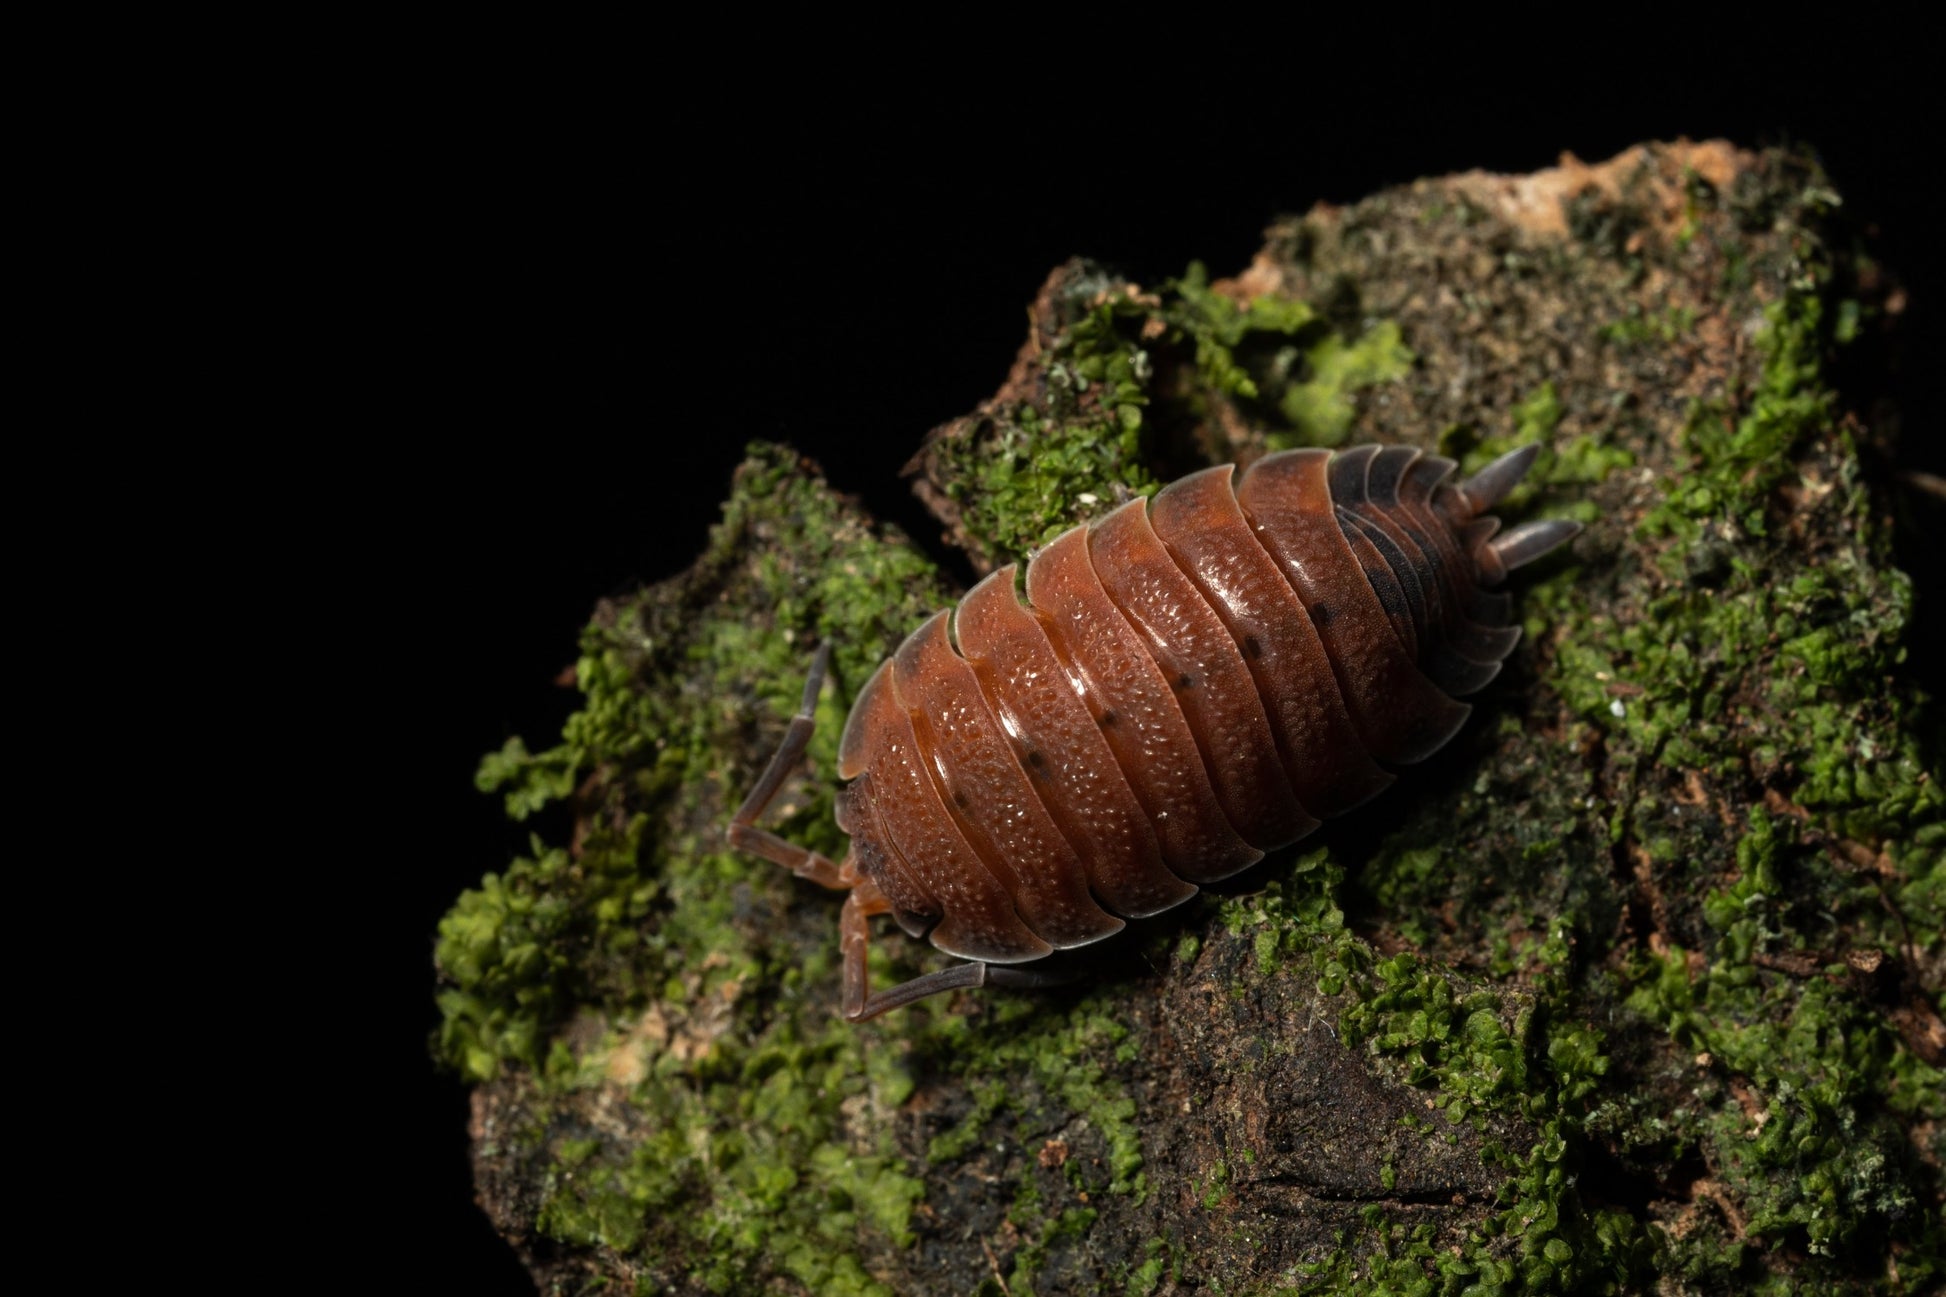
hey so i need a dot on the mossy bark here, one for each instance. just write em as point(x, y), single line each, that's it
point(1636, 985)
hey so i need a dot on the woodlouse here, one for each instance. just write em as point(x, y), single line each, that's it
point(1192, 681)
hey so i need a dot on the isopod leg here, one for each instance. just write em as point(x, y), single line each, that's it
point(745, 835)
point(1030, 978)
point(855, 934)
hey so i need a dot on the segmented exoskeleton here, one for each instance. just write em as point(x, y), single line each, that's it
point(1192, 681)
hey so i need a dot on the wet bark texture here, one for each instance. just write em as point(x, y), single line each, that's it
point(1635, 986)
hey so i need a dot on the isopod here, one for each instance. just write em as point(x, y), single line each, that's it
point(1191, 681)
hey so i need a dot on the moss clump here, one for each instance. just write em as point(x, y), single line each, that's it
point(1067, 1058)
point(1042, 465)
point(742, 1157)
point(1036, 1108)
point(1144, 1278)
point(645, 960)
point(1741, 457)
point(1740, 811)
point(637, 903)
point(1121, 375)
point(1746, 667)
point(1801, 1148)
point(1318, 405)
point(1475, 1050)
point(1637, 329)
point(1286, 365)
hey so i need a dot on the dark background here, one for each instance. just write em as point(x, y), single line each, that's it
point(590, 300)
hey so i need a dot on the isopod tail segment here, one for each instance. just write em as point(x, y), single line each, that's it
point(1500, 555)
point(866, 899)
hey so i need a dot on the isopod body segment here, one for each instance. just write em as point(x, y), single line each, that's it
point(1190, 681)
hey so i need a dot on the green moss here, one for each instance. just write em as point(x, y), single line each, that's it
point(1795, 1108)
point(1035, 477)
point(1062, 1055)
point(1639, 329)
point(1216, 1184)
point(1319, 406)
point(529, 783)
point(1799, 1148)
point(1740, 666)
point(1478, 1051)
point(1536, 418)
point(1741, 459)
point(640, 929)
point(1144, 1278)
point(1037, 467)
point(1074, 1223)
point(1117, 366)
point(1561, 472)
point(1286, 363)
point(1221, 327)
point(637, 905)
point(740, 1160)
point(1730, 665)
point(988, 1098)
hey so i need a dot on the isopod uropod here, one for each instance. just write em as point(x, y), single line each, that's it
point(1191, 681)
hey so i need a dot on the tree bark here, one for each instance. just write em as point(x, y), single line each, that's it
point(1635, 985)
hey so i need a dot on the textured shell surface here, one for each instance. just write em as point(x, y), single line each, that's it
point(1158, 699)
point(1190, 682)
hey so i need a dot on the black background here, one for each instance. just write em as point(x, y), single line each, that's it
point(585, 301)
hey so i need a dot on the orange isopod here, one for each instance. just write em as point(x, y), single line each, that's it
point(1191, 681)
